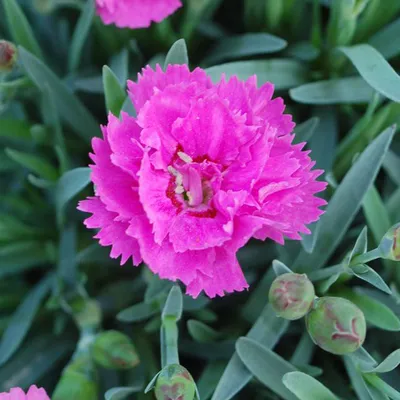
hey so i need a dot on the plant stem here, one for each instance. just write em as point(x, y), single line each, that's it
point(326, 272)
point(366, 257)
point(170, 341)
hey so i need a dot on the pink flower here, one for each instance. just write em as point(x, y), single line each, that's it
point(135, 13)
point(201, 170)
point(34, 393)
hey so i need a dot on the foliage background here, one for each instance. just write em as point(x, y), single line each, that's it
point(345, 99)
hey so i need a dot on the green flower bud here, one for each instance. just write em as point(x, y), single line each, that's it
point(175, 383)
point(390, 244)
point(114, 350)
point(77, 382)
point(336, 325)
point(86, 312)
point(291, 295)
point(8, 56)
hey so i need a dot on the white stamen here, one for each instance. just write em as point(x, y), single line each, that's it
point(184, 157)
point(179, 179)
point(172, 171)
point(179, 190)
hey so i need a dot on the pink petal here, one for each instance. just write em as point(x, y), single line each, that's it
point(135, 13)
point(112, 232)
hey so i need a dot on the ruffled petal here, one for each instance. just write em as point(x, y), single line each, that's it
point(150, 81)
point(112, 232)
point(35, 393)
point(135, 13)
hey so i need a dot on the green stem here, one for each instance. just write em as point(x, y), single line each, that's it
point(326, 272)
point(366, 257)
point(381, 385)
point(170, 341)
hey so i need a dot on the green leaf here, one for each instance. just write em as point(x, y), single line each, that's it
point(265, 365)
point(22, 319)
point(284, 73)
point(68, 186)
point(246, 45)
point(70, 108)
point(67, 262)
point(375, 393)
point(20, 256)
point(174, 304)
point(36, 359)
point(305, 130)
point(152, 383)
point(361, 245)
point(372, 277)
point(137, 312)
point(391, 362)
point(201, 332)
point(267, 331)
point(34, 163)
point(177, 54)
point(120, 65)
point(114, 94)
point(15, 129)
point(280, 268)
point(120, 393)
point(375, 70)
point(356, 379)
point(375, 312)
point(80, 34)
point(20, 29)
point(383, 40)
point(376, 214)
point(336, 220)
point(392, 166)
point(335, 91)
point(209, 379)
point(307, 388)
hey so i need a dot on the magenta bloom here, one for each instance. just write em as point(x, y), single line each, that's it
point(34, 393)
point(202, 169)
point(135, 13)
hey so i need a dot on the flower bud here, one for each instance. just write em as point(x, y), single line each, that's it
point(336, 325)
point(114, 350)
point(8, 56)
point(390, 244)
point(291, 295)
point(175, 383)
point(77, 382)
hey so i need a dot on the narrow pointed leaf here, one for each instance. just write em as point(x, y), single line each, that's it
point(375, 70)
point(246, 45)
point(70, 108)
point(114, 94)
point(20, 29)
point(177, 54)
point(336, 220)
point(201, 332)
point(265, 365)
point(120, 393)
point(336, 91)
point(22, 319)
point(81, 32)
point(280, 268)
point(307, 388)
point(174, 304)
point(391, 362)
point(284, 73)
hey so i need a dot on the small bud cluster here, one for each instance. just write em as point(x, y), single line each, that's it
point(390, 244)
point(334, 324)
point(8, 56)
point(175, 383)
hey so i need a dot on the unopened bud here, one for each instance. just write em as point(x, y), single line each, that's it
point(390, 244)
point(175, 383)
point(114, 350)
point(77, 382)
point(291, 295)
point(8, 56)
point(336, 325)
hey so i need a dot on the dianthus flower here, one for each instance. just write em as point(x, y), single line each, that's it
point(135, 13)
point(201, 170)
point(33, 393)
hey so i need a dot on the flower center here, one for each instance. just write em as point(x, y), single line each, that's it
point(189, 182)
